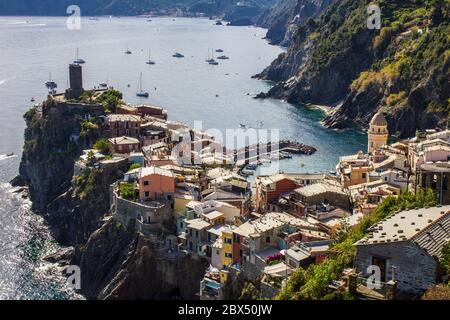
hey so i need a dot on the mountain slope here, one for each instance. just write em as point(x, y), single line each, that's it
point(283, 19)
point(402, 68)
point(127, 7)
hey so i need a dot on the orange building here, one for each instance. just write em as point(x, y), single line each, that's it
point(156, 184)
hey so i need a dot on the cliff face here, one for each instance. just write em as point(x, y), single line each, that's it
point(116, 264)
point(53, 141)
point(148, 274)
point(287, 16)
point(402, 68)
point(102, 256)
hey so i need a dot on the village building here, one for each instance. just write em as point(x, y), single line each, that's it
point(354, 169)
point(118, 125)
point(406, 247)
point(152, 111)
point(155, 184)
point(270, 188)
point(328, 192)
point(125, 144)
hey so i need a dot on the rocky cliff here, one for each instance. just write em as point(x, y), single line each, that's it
point(115, 261)
point(283, 19)
point(337, 60)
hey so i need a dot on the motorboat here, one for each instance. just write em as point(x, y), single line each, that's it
point(50, 84)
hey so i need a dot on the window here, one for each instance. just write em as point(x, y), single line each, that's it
point(228, 241)
point(217, 252)
point(147, 194)
point(196, 233)
point(363, 175)
point(267, 239)
point(146, 183)
point(228, 255)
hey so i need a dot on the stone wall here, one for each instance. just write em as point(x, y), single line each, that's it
point(415, 269)
point(128, 212)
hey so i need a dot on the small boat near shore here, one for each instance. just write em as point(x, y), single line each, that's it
point(78, 60)
point(141, 93)
point(50, 84)
point(178, 55)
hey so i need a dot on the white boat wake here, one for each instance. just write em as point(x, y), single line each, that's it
point(3, 81)
point(6, 156)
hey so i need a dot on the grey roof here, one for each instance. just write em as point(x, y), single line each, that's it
point(433, 238)
point(427, 227)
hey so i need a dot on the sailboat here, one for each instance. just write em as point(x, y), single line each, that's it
point(212, 61)
point(149, 59)
point(78, 60)
point(209, 60)
point(50, 84)
point(141, 93)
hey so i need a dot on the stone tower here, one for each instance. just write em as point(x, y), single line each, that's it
point(76, 82)
point(378, 132)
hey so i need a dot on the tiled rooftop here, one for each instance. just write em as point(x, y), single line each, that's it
point(407, 225)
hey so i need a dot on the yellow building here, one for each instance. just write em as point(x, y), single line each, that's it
point(378, 132)
point(227, 247)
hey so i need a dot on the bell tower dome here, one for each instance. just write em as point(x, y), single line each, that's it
point(378, 132)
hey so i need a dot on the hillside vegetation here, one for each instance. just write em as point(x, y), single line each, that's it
point(336, 59)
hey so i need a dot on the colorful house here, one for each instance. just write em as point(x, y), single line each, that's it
point(156, 183)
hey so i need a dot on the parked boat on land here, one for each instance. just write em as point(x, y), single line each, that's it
point(178, 55)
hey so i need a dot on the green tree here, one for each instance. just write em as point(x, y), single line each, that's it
point(103, 146)
point(126, 191)
point(110, 99)
point(134, 166)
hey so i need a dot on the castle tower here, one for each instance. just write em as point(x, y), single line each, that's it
point(378, 132)
point(76, 82)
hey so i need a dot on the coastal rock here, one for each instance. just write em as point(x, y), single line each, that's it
point(149, 274)
point(101, 257)
point(283, 19)
point(62, 256)
point(337, 61)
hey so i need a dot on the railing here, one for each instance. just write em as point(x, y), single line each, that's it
point(371, 288)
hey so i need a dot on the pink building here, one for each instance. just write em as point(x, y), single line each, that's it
point(156, 183)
